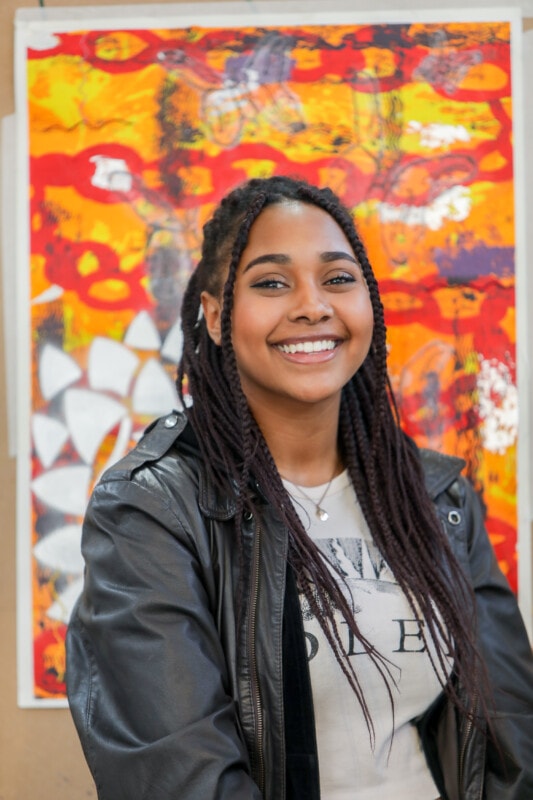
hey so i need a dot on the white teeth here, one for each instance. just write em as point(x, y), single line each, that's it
point(308, 347)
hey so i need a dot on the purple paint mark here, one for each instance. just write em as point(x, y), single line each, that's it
point(481, 260)
point(268, 62)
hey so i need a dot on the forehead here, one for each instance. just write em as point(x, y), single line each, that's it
point(293, 223)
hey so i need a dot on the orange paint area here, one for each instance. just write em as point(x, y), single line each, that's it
point(134, 136)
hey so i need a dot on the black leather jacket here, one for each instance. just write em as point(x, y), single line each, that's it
point(175, 699)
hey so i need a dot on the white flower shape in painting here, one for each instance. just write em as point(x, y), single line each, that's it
point(497, 405)
point(112, 389)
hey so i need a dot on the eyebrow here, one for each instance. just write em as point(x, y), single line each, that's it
point(282, 259)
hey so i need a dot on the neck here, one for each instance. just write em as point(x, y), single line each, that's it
point(303, 442)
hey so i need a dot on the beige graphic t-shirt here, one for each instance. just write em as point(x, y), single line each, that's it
point(349, 768)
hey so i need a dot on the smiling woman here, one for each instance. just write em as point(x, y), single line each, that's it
point(316, 600)
point(302, 320)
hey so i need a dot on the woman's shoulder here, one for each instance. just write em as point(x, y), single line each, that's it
point(162, 463)
point(167, 465)
point(441, 471)
point(159, 441)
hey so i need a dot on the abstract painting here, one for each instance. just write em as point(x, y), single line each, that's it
point(135, 133)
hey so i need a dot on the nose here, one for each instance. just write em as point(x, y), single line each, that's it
point(311, 304)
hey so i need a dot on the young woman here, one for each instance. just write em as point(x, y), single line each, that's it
point(285, 599)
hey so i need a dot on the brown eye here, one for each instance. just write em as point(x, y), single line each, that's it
point(339, 280)
point(268, 283)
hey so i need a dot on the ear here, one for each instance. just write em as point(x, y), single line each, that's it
point(212, 309)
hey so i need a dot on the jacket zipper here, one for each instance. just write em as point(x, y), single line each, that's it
point(256, 695)
point(462, 755)
point(466, 737)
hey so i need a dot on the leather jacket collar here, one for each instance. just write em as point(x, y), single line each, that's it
point(440, 471)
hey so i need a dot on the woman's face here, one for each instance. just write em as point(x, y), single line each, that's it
point(302, 318)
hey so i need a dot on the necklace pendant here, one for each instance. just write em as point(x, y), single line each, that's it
point(322, 514)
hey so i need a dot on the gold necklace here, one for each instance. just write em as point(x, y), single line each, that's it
point(320, 513)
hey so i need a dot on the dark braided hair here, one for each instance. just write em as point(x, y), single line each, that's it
point(383, 465)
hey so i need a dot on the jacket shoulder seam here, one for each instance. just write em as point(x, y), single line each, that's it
point(164, 503)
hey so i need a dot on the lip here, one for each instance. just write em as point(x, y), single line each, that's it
point(308, 349)
point(316, 337)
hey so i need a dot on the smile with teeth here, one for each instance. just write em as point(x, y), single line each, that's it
point(320, 346)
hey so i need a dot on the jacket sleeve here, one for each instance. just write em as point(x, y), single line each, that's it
point(507, 652)
point(147, 680)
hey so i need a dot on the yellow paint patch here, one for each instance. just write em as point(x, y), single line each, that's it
point(119, 46)
point(379, 62)
point(255, 168)
point(197, 180)
point(483, 75)
point(109, 291)
point(492, 161)
point(87, 264)
point(306, 59)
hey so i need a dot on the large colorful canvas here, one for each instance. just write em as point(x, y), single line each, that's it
point(134, 136)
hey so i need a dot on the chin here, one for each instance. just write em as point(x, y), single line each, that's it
point(312, 397)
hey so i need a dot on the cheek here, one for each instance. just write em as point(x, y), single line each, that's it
point(242, 326)
point(365, 328)
point(252, 318)
point(364, 317)
point(247, 334)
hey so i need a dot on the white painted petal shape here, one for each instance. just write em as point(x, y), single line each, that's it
point(57, 370)
point(49, 436)
point(142, 333)
point(173, 345)
point(121, 444)
point(90, 416)
point(61, 550)
point(61, 609)
point(49, 295)
point(65, 488)
point(111, 366)
point(154, 393)
point(41, 40)
point(111, 174)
